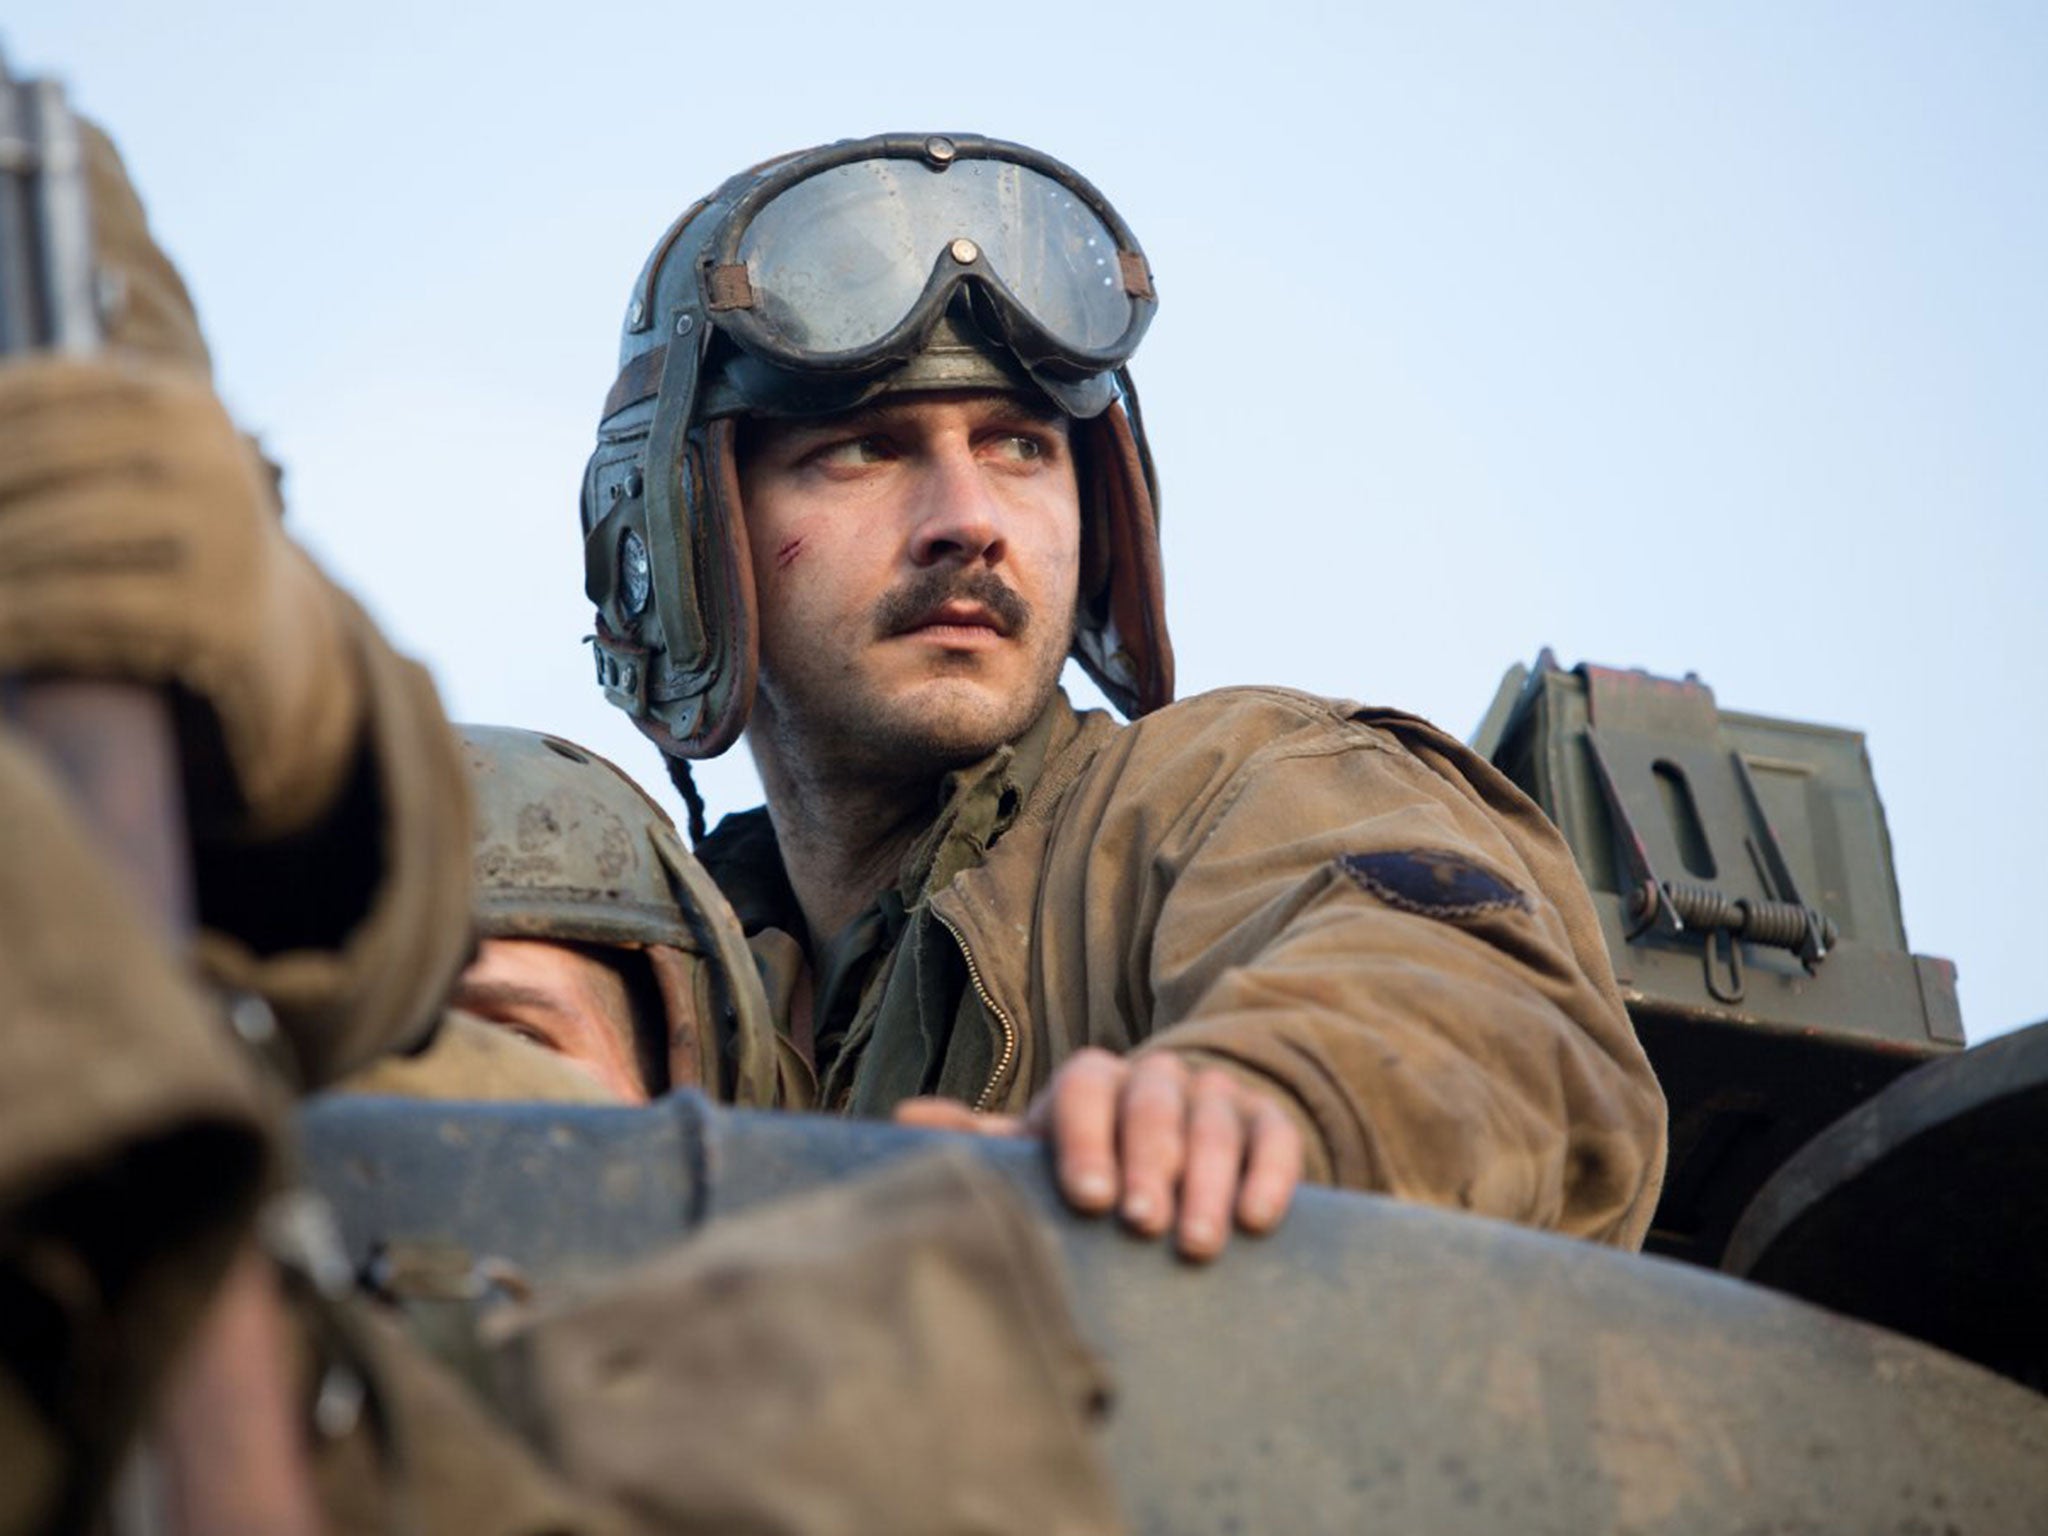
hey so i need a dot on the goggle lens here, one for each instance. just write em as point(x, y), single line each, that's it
point(839, 260)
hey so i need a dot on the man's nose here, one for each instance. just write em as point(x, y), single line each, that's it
point(958, 517)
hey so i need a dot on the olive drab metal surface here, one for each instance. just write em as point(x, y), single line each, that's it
point(1742, 873)
point(1373, 1366)
point(566, 845)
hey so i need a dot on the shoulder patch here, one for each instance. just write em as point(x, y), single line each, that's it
point(1432, 883)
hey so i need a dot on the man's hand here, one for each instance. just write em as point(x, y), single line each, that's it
point(1165, 1144)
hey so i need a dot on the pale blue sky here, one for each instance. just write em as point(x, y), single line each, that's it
point(1707, 339)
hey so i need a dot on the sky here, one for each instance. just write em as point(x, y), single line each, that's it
point(1697, 339)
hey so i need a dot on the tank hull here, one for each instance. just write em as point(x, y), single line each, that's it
point(1372, 1366)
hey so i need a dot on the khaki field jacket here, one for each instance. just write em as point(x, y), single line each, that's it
point(1341, 904)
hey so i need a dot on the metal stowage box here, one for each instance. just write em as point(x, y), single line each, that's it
point(1742, 873)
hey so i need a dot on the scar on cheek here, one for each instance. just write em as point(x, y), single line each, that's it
point(788, 553)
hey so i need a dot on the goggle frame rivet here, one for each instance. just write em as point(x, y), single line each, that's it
point(964, 251)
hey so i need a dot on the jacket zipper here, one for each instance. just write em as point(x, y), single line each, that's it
point(1007, 1057)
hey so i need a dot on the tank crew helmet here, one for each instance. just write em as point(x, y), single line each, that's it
point(569, 850)
point(812, 284)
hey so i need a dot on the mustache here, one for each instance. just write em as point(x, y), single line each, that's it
point(917, 599)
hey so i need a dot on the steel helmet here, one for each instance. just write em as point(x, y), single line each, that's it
point(806, 286)
point(569, 849)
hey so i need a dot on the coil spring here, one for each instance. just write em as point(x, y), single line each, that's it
point(1701, 906)
point(1781, 924)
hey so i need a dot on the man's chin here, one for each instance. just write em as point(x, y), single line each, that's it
point(905, 728)
point(949, 723)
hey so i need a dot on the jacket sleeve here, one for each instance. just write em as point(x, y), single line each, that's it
point(1370, 920)
point(135, 1142)
point(140, 540)
point(355, 928)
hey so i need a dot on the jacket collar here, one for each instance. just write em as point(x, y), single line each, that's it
point(977, 805)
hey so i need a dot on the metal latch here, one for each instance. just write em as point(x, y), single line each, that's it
point(1680, 799)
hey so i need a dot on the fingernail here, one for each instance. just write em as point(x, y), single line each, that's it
point(1094, 1188)
point(1201, 1236)
point(1258, 1214)
point(1138, 1209)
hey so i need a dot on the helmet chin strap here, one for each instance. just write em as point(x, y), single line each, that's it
point(693, 798)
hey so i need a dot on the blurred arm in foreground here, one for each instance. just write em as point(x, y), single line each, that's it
point(329, 831)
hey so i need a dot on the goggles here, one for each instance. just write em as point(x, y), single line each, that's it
point(841, 260)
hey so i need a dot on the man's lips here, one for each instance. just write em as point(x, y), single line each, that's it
point(966, 606)
point(957, 615)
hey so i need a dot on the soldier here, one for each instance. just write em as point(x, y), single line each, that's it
point(871, 469)
point(581, 943)
point(600, 940)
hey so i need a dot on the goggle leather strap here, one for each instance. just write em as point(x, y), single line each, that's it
point(639, 380)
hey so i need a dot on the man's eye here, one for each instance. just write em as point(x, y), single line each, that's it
point(851, 453)
point(1019, 447)
point(529, 1033)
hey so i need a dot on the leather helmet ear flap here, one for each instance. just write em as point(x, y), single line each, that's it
point(699, 709)
point(725, 573)
point(1130, 656)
